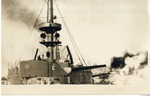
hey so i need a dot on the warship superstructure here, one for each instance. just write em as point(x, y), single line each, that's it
point(51, 70)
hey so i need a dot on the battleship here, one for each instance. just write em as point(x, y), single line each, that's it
point(52, 70)
point(51, 60)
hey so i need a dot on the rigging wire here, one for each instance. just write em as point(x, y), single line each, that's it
point(69, 34)
point(38, 16)
point(36, 22)
point(63, 49)
point(40, 51)
point(71, 37)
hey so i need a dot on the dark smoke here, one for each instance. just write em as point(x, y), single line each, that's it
point(119, 62)
point(145, 62)
point(127, 54)
point(16, 11)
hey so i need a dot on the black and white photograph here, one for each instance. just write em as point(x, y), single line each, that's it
point(91, 43)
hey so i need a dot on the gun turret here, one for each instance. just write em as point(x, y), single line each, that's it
point(87, 67)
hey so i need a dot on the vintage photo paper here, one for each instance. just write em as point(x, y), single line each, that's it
point(75, 47)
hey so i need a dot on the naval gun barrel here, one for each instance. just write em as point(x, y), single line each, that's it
point(102, 74)
point(87, 67)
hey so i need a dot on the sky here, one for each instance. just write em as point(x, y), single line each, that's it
point(102, 29)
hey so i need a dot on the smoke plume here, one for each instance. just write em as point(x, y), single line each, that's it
point(16, 11)
point(121, 62)
point(133, 70)
point(127, 70)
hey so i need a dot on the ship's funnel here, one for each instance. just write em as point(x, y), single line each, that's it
point(87, 67)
